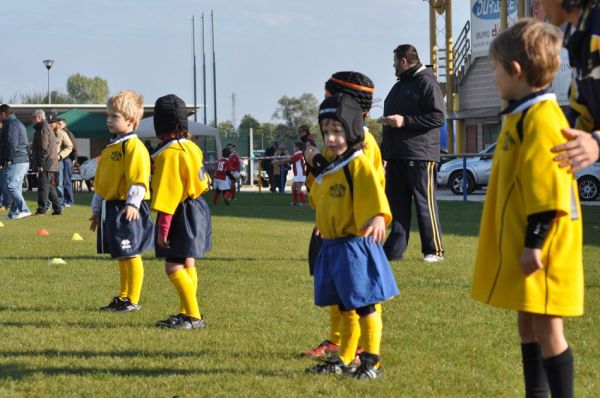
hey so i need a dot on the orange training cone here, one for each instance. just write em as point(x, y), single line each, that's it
point(42, 232)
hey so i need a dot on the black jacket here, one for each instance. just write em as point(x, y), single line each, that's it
point(418, 97)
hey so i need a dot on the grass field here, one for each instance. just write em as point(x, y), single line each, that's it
point(256, 295)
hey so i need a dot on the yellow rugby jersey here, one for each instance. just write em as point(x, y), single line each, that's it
point(339, 211)
point(178, 175)
point(524, 181)
point(117, 170)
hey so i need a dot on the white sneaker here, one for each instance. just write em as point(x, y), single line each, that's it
point(433, 258)
point(22, 214)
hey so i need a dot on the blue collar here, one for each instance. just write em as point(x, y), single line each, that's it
point(521, 104)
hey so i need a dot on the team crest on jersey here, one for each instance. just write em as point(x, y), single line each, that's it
point(125, 244)
point(116, 156)
point(337, 190)
point(508, 142)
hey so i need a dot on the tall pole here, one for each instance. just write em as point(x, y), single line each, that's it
point(194, 52)
point(212, 22)
point(203, 70)
point(449, 76)
point(48, 64)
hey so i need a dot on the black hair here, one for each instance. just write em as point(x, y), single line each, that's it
point(407, 51)
point(226, 152)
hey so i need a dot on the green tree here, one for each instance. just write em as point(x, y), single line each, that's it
point(249, 122)
point(295, 111)
point(225, 128)
point(87, 90)
point(38, 97)
point(374, 128)
point(264, 135)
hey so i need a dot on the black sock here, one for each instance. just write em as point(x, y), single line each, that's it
point(559, 370)
point(536, 383)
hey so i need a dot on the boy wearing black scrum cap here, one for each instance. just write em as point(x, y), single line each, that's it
point(361, 88)
point(352, 211)
point(183, 226)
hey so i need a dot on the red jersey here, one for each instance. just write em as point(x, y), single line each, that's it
point(223, 166)
point(234, 161)
point(298, 164)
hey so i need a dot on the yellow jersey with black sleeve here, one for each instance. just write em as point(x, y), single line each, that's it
point(525, 181)
point(178, 175)
point(124, 162)
point(346, 196)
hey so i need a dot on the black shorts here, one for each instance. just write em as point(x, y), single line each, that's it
point(121, 238)
point(190, 235)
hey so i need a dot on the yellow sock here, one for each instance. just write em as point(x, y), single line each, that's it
point(371, 327)
point(124, 278)
point(335, 318)
point(350, 334)
point(183, 283)
point(135, 271)
point(194, 276)
point(364, 340)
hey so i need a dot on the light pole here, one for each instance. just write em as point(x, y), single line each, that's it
point(48, 64)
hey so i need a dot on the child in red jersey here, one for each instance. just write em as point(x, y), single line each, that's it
point(235, 163)
point(221, 181)
point(299, 169)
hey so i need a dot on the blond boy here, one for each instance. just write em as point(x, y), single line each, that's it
point(119, 212)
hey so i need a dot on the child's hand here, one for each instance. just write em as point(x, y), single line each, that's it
point(375, 228)
point(94, 221)
point(162, 241)
point(531, 260)
point(131, 213)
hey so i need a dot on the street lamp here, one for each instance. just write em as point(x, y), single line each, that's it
point(48, 64)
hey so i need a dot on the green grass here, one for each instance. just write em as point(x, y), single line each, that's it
point(256, 295)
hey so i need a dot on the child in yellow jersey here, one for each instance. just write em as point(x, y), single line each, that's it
point(530, 240)
point(119, 212)
point(183, 226)
point(352, 211)
point(361, 88)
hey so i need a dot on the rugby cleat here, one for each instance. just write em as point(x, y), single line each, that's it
point(333, 365)
point(322, 350)
point(128, 306)
point(113, 306)
point(182, 321)
point(369, 368)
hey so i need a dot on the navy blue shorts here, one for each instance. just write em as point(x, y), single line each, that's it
point(121, 238)
point(190, 234)
point(352, 272)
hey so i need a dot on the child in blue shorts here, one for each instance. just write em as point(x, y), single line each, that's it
point(352, 211)
point(183, 230)
point(119, 212)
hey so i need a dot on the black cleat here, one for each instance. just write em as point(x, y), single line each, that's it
point(182, 321)
point(369, 368)
point(127, 306)
point(333, 365)
point(113, 306)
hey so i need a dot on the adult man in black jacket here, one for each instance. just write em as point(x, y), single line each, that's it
point(413, 114)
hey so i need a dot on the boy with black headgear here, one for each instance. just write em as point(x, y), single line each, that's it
point(223, 177)
point(183, 230)
point(352, 212)
point(361, 88)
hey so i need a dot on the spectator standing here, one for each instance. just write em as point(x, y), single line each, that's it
point(413, 114)
point(280, 169)
point(64, 146)
point(68, 163)
point(267, 164)
point(581, 39)
point(45, 163)
point(14, 160)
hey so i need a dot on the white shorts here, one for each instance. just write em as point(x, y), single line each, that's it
point(300, 179)
point(222, 185)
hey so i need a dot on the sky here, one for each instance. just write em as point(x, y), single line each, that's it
point(264, 49)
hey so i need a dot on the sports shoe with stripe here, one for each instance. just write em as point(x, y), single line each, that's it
point(369, 368)
point(333, 365)
point(322, 350)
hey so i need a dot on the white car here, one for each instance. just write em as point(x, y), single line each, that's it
point(588, 181)
point(478, 172)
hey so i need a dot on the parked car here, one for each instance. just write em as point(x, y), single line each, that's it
point(478, 172)
point(588, 181)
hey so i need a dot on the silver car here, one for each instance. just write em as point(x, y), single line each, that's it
point(588, 181)
point(478, 172)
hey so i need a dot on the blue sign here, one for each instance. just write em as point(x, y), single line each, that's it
point(490, 9)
